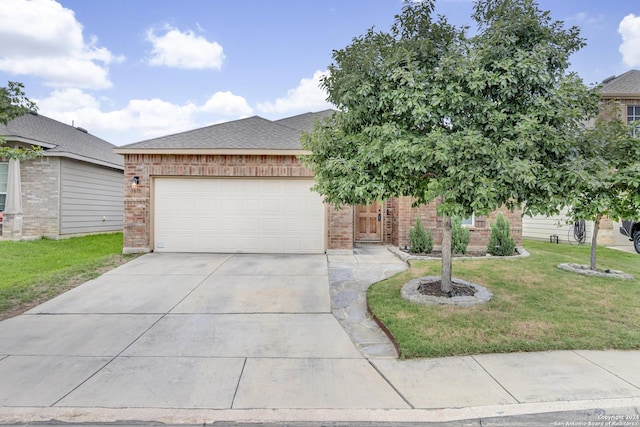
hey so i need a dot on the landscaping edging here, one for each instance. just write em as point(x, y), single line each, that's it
point(405, 256)
point(584, 269)
point(410, 293)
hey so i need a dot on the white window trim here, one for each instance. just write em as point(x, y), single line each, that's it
point(635, 116)
point(473, 221)
point(5, 192)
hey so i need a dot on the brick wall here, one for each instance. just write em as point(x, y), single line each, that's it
point(137, 215)
point(406, 218)
point(40, 196)
point(478, 236)
point(399, 215)
point(340, 227)
point(389, 220)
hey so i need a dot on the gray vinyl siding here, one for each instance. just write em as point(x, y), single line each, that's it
point(541, 227)
point(91, 198)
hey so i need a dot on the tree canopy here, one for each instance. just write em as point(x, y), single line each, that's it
point(607, 170)
point(430, 112)
point(426, 111)
point(13, 104)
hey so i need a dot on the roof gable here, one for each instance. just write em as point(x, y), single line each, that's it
point(305, 122)
point(252, 133)
point(59, 139)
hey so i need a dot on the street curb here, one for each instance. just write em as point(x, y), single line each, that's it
point(22, 415)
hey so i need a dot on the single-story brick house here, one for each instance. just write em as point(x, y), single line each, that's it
point(75, 188)
point(239, 187)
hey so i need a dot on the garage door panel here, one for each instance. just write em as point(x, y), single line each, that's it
point(272, 225)
point(238, 215)
point(168, 205)
point(219, 222)
point(252, 225)
point(271, 205)
point(226, 206)
point(294, 225)
point(251, 206)
point(211, 205)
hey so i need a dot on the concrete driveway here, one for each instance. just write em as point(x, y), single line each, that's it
point(191, 331)
point(187, 338)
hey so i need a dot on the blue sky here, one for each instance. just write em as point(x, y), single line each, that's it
point(129, 70)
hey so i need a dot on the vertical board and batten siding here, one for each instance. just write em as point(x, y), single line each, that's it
point(540, 227)
point(91, 198)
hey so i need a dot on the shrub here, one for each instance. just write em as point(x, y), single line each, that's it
point(501, 243)
point(459, 236)
point(421, 241)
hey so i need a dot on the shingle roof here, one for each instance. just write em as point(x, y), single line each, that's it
point(305, 122)
point(253, 133)
point(67, 141)
point(627, 84)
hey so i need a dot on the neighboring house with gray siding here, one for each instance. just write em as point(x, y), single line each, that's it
point(75, 188)
point(620, 96)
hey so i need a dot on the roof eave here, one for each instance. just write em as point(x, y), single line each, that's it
point(14, 138)
point(214, 151)
point(620, 95)
point(83, 158)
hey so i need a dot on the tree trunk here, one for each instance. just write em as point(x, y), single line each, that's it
point(594, 242)
point(446, 255)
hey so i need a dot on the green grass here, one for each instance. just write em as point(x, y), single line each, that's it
point(34, 271)
point(536, 306)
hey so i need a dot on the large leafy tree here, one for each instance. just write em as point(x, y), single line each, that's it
point(14, 103)
point(607, 169)
point(427, 111)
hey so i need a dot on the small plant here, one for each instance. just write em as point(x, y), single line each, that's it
point(501, 243)
point(421, 241)
point(459, 236)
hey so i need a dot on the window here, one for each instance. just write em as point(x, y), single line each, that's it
point(633, 114)
point(468, 222)
point(4, 172)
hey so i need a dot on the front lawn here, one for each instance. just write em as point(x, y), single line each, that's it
point(536, 306)
point(34, 271)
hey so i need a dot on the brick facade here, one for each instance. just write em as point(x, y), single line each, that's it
point(479, 232)
point(340, 228)
point(40, 196)
point(137, 221)
point(398, 214)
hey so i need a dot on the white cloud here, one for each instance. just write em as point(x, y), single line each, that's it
point(584, 18)
point(68, 100)
point(227, 104)
point(629, 29)
point(140, 118)
point(307, 96)
point(158, 117)
point(185, 49)
point(44, 39)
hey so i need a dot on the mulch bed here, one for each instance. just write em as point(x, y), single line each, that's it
point(433, 288)
point(438, 254)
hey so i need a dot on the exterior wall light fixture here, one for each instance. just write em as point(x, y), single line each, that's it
point(135, 181)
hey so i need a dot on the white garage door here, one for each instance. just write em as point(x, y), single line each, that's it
point(237, 215)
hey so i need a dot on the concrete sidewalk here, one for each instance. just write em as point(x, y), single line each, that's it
point(624, 248)
point(195, 338)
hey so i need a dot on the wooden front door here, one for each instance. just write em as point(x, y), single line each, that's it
point(369, 223)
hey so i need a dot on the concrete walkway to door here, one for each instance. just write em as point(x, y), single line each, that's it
point(204, 338)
